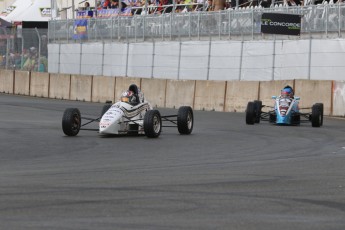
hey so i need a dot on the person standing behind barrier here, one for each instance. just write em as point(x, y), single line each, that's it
point(293, 3)
point(218, 5)
point(114, 4)
point(106, 4)
point(209, 5)
point(30, 63)
point(99, 5)
point(160, 8)
point(87, 6)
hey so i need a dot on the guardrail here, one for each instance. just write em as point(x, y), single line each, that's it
point(243, 23)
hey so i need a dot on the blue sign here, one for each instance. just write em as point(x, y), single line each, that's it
point(80, 29)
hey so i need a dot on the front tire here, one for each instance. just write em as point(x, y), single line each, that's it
point(185, 120)
point(152, 123)
point(71, 121)
point(258, 106)
point(250, 113)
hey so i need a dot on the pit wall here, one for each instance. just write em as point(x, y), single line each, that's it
point(224, 96)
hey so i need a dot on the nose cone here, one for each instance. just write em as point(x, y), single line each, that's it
point(110, 121)
point(106, 127)
point(283, 120)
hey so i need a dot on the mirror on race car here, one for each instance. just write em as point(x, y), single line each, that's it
point(274, 97)
point(297, 98)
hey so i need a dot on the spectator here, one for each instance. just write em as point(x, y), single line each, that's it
point(179, 6)
point(265, 3)
point(218, 5)
point(209, 5)
point(200, 4)
point(293, 2)
point(170, 8)
point(44, 45)
point(30, 63)
point(188, 3)
point(152, 7)
point(99, 5)
point(87, 6)
point(114, 4)
point(106, 4)
point(161, 8)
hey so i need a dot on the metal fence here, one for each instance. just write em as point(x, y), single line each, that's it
point(24, 49)
point(229, 24)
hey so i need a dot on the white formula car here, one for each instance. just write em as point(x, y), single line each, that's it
point(131, 115)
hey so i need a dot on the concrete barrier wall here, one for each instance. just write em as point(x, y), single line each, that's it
point(313, 91)
point(154, 90)
point(210, 95)
point(81, 87)
point(228, 96)
point(6, 81)
point(59, 86)
point(39, 84)
point(103, 89)
point(238, 93)
point(22, 82)
point(179, 93)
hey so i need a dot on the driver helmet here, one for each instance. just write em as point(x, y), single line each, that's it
point(287, 92)
point(128, 96)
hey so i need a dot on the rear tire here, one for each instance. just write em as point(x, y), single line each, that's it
point(321, 108)
point(71, 121)
point(250, 113)
point(185, 120)
point(152, 123)
point(316, 115)
point(258, 106)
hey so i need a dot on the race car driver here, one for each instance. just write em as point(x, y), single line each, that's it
point(129, 97)
point(287, 92)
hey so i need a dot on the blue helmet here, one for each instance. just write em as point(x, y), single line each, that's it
point(287, 92)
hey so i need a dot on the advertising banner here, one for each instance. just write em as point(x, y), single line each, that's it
point(280, 23)
point(84, 14)
point(107, 13)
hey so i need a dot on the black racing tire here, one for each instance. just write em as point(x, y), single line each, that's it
point(272, 117)
point(258, 106)
point(250, 113)
point(71, 121)
point(105, 108)
point(296, 119)
point(321, 108)
point(185, 120)
point(316, 115)
point(152, 123)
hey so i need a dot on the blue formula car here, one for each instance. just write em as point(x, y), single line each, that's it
point(284, 112)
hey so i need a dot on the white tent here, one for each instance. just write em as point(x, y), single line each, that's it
point(17, 8)
point(29, 10)
point(39, 11)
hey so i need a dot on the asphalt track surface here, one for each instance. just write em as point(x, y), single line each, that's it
point(226, 175)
